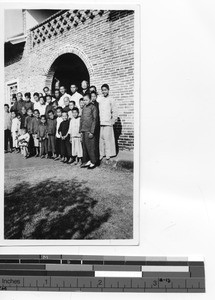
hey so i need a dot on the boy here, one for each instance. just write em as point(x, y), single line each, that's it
point(28, 121)
point(23, 117)
point(23, 141)
point(48, 104)
point(15, 129)
point(81, 106)
point(75, 136)
point(94, 99)
point(42, 135)
point(88, 123)
point(58, 139)
point(7, 128)
point(28, 103)
point(108, 116)
point(51, 130)
point(66, 104)
point(71, 106)
point(64, 135)
point(34, 130)
point(36, 100)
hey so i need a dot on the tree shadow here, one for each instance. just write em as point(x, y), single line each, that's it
point(117, 127)
point(51, 210)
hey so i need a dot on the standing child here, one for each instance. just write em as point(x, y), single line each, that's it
point(58, 139)
point(23, 141)
point(7, 128)
point(71, 106)
point(75, 136)
point(64, 135)
point(81, 105)
point(34, 129)
point(36, 100)
point(42, 135)
point(28, 121)
point(23, 117)
point(88, 123)
point(28, 103)
point(51, 130)
point(15, 129)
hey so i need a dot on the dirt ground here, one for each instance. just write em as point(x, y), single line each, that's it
point(45, 199)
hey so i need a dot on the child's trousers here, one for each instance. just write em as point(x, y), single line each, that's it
point(89, 149)
point(66, 148)
point(44, 147)
point(51, 144)
point(58, 146)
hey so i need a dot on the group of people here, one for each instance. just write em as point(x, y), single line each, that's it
point(73, 128)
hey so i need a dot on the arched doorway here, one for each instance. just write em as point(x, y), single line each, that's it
point(68, 68)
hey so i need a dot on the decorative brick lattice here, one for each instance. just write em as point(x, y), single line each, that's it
point(61, 23)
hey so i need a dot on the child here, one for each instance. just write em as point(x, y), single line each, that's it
point(42, 135)
point(34, 130)
point(36, 100)
point(15, 129)
point(58, 139)
point(23, 117)
point(75, 136)
point(65, 144)
point(66, 104)
point(28, 103)
point(71, 106)
point(81, 105)
point(51, 130)
point(7, 128)
point(108, 116)
point(28, 121)
point(48, 104)
point(42, 107)
point(13, 103)
point(54, 108)
point(88, 123)
point(23, 141)
point(94, 99)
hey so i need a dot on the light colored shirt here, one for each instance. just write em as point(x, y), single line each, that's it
point(25, 137)
point(76, 97)
point(59, 120)
point(74, 127)
point(15, 127)
point(42, 109)
point(7, 121)
point(107, 110)
point(61, 100)
point(37, 105)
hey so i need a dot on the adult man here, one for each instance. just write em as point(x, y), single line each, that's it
point(57, 95)
point(20, 103)
point(64, 95)
point(108, 116)
point(75, 95)
point(46, 91)
point(85, 87)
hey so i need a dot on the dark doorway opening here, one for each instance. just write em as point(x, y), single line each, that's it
point(69, 68)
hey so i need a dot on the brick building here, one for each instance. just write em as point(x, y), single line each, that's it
point(73, 45)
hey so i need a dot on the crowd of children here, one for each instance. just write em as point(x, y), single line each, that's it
point(73, 128)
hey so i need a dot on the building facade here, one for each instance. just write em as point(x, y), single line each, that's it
point(75, 45)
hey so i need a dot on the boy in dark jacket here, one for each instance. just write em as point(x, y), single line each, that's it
point(51, 130)
point(34, 129)
point(88, 125)
point(42, 135)
point(65, 141)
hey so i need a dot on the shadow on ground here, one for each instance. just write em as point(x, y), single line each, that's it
point(51, 210)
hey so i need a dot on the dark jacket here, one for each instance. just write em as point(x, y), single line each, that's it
point(51, 126)
point(64, 127)
point(35, 125)
point(42, 131)
point(48, 108)
point(28, 121)
point(29, 104)
point(18, 105)
point(89, 118)
point(66, 109)
point(23, 117)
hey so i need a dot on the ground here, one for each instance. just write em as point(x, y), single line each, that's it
point(50, 200)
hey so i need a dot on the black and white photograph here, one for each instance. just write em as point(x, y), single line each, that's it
point(71, 100)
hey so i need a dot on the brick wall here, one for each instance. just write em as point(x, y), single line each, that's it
point(106, 45)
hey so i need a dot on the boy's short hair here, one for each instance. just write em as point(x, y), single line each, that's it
point(48, 96)
point(59, 108)
point(29, 109)
point(19, 93)
point(93, 93)
point(14, 97)
point(74, 84)
point(50, 112)
point(28, 95)
point(65, 112)
point(81, 99)
point(45, 88)
point(75, 109)
point(14, 111)
point(42, 97)
point(36, 94)
point(6, 105)
point(71, 101)
point(43, 117)
point(105, 86)
point(88, 95)
point(93, 86)
point(36, 110)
